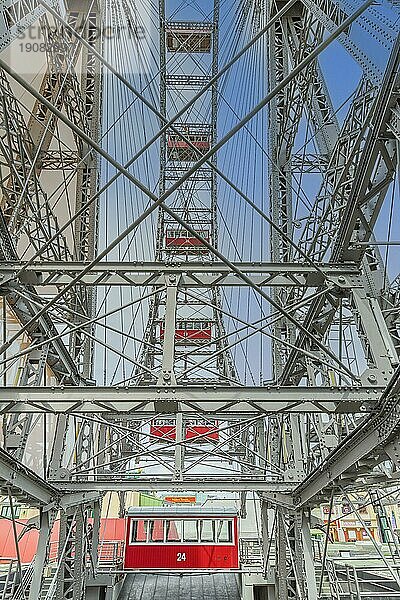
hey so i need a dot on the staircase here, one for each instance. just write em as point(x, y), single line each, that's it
point(13, 589)
point(331, 589)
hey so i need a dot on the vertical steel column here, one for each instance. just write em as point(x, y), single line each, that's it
point(281, 214)
point(18, 427)
point(280, 176)
point(65, 545)
point(86, 227)
point(167, 373)
point(179, 449)
point(286, 433)
point(72, 554)
point(309, 579)
point(46, 522)
point(94, 542)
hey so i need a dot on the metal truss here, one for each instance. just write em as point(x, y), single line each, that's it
point(293, 38)
point(27, 485)
point(356, 461)
point(197, 202)
point(191, 274)
point(34, 218)
point(383, 174)
point(324, 419)
point(226, 401)
point(22, 482)
point(224, 484)
point(37, 137)
point(17, 15)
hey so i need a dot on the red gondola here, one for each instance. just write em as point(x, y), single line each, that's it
point(181, 241)
point(194, 428)
point(197, 427)
point(181, 537)
point(178, 149)
point(190, 332)
point(163, 428)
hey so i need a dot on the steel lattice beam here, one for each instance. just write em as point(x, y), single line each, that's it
point(226, 484)
point(235, 401)
point(357, 166)
point(204, 274)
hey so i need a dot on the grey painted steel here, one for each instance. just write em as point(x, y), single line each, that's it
point(17, 15)
point(202, 483)
point(373, 435)
point(26, 484)
point(22, 482)
point(352, 464)
point(331, 14)
point(209, 399)
point(192, 275)
point(46, 522)
point(160, 202)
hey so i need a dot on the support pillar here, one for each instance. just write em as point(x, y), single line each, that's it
point(46, 522)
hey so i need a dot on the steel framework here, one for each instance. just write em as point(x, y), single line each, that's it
point(255, 292)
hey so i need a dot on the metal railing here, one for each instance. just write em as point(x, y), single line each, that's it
point(355, 582)
point(12, 586)
point(110, 556)
point(334, 585)
point(251, 553)
point(110, 552)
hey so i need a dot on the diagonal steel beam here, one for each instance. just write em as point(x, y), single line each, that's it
point(22, 482)
point(375, 431)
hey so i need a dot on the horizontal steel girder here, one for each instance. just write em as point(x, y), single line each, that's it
point(201, 483)
point(200, 274)
point(148, 400)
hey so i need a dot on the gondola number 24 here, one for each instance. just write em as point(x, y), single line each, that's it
point(181, 557)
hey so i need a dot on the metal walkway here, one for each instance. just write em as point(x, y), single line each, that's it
point(215, 586)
